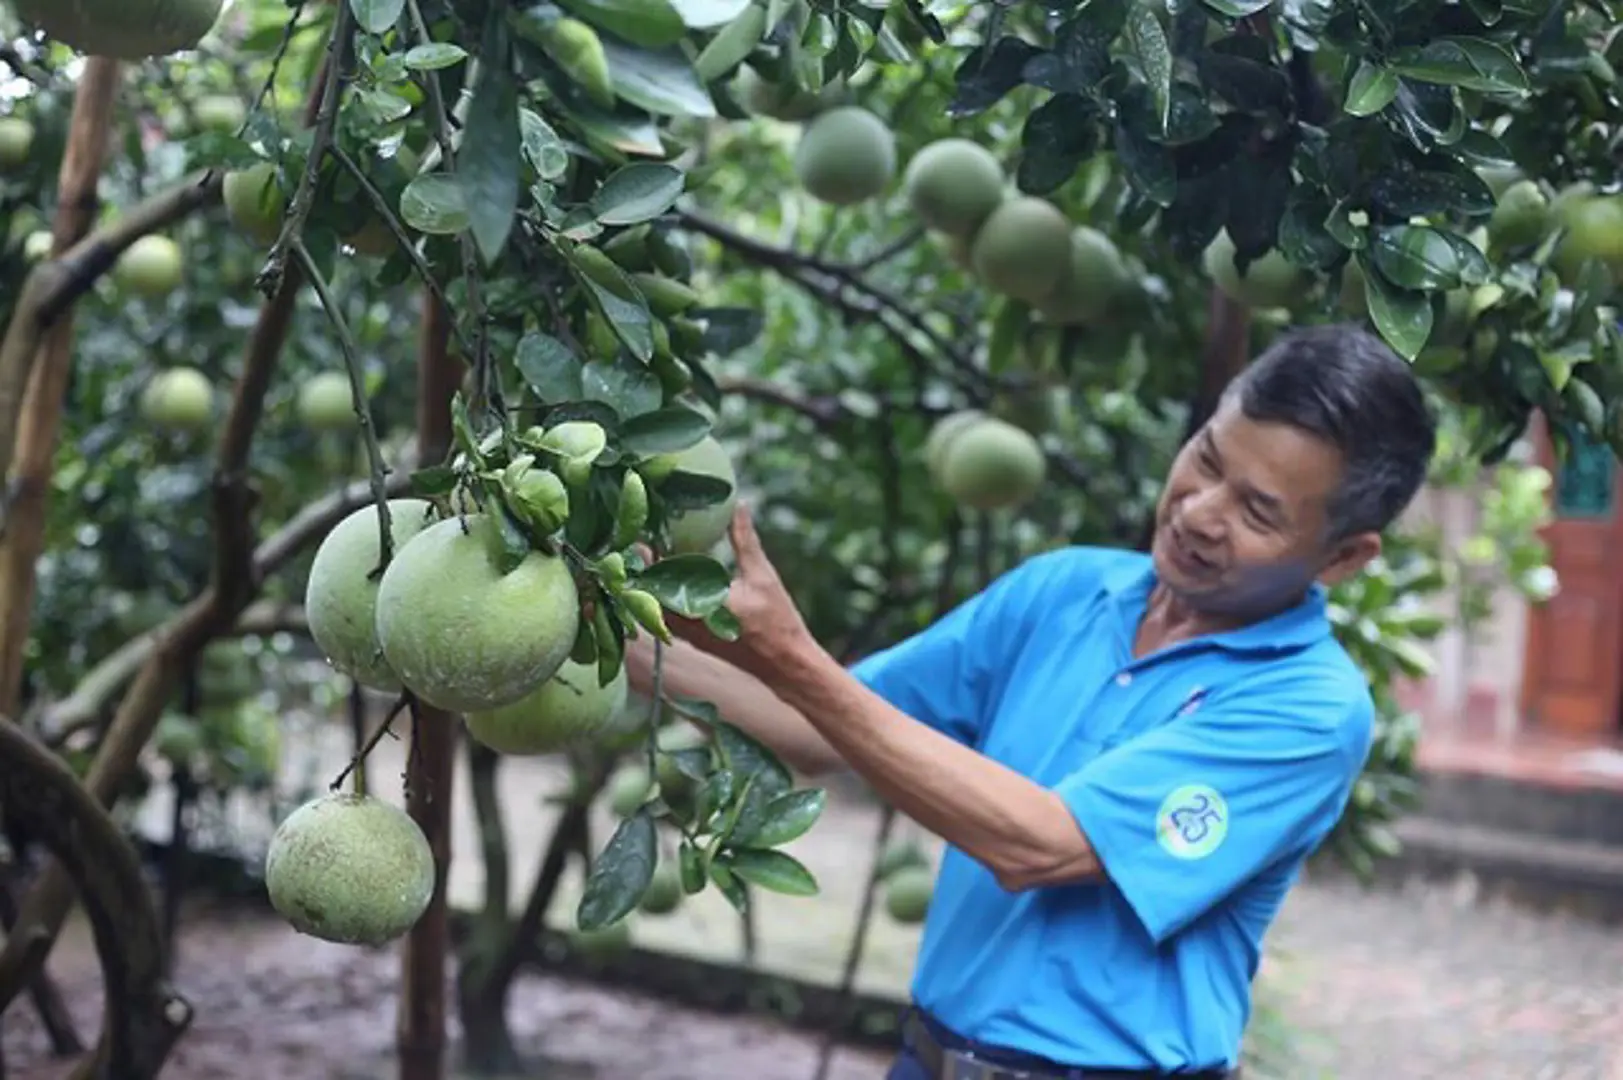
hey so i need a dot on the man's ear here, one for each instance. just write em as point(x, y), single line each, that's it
point(1350, 555)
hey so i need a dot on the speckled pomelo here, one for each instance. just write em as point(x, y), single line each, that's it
point(465, 637)
point(340, 600)
point(124, 29)
point(696, 532)
point(569, 708)
point(349, 868)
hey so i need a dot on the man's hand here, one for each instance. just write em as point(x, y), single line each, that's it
point(772, 626)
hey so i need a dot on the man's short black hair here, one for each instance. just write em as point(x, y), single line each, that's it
point(1345, 385)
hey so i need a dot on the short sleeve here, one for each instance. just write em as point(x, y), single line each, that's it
point(1185, 814)
point(949, 674)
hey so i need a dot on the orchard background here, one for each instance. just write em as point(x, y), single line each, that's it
point(589, 271)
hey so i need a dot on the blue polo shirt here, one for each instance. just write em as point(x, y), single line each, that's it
point(1203, 775)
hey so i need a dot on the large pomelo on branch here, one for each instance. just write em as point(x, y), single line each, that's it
point(180, 399)
point(570, 708)
point(349, 868)
point(340, 596)
point(123, 29)
point(845, 156)
point(991, 465)
point(149, 267)
point(326, 402)
point(1095, 280)
point(254, 201)
point(1271, 281)
point(1023, 249)
point(942, 434)
point(953, 185)
point(461, 634)
point(697, 531)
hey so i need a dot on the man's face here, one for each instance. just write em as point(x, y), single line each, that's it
point(1242, 522)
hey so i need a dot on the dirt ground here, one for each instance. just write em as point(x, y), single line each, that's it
point(275, 1006)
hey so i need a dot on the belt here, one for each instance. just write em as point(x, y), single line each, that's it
point(944, 1063)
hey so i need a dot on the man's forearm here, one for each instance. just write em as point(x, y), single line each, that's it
point(1019, 830)
point(742, 699)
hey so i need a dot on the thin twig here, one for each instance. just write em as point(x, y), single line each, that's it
point(401, 704)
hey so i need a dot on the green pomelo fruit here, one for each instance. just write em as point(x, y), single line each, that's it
point(942, 433)
point(37, 246)
point(350, 869)
point(899, 856)
point(16, 140)
point(254, 203)
point(1594, 230)
point(1521, 217)
point(783, 102)
point(123, 29)
point(180, 399)
point(1023, 249)
point(953, 185)
point(698, 531)
point(326, 402)
point(628, 789)
point(567, 709)
point(218, 112)
point(664, 893)
point(908, 893)
point(1271, 281)
point(845, 156)
point(1094, 280)
point(462, 635)
point(149, 267)
point(340, 596)
point(992, 465)
point(602, 943)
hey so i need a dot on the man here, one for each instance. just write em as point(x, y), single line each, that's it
point(1129, 755)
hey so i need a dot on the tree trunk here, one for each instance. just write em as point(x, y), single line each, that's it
point(420, 1036)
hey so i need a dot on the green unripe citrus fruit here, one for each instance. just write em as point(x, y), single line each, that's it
point(326, 402)
point(16, 140)
point(908, 893)
point(1094, 280)
point(340, 595)
point(992, 465)
point(845, 156)
point(218, 112)
point(351, 869)
point(1594, 230)
point(1271, 281)
point(602, 943)
point(1521, 217)
point(123, 29)
point(1023, 249)
point(664, 893)
point(697, 531)
point(180, 399)
point(901, 856)
point(254, 202)
point(943, 433)
point(462, 634)
point(567, 709)
point(37, 246)
point(628, 789)
point(783, 102)
point(149, 267)
point(953, 185)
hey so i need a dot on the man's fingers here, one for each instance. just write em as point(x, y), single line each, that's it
point(746, 545)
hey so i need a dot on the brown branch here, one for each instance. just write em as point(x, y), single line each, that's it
point(33, 442)
point(142, 1013)
point(231, 587)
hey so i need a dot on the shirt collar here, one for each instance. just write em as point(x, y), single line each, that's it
point(1128, 588)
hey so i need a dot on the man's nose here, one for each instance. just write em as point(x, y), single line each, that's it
point(1203, 515)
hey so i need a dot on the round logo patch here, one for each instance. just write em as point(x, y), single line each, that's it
point(1192, 822)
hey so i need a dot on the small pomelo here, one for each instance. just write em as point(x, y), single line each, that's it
point(340, 598)
point(349, 868)
point(992, 465)
point(907, 894)
point(462, 635)
point(180, 398)
point(254, 201)
point(569, 708)
point(953, 185)
point(149, 267)
point(326, 402)
point(845, 156)
point(697, 531)
point(1023, 249)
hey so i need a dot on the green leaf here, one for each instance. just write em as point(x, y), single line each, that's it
point(772, 870)
point(1469, 63)
point(1371, 90)
point(730, 887)
point(1424, 258)
point(637, 192)
point(752, 759)
point(434, 203)
point(434, 56)
point(707, 14)
point(433, 481)
point(651, 24)
point(664, 431)
point(489, 160)
point(1149, 43)
point(1149, 165)
point(624, 385)
point(1402, 317)
point(623, 307)
point(620, 874)
point(550, 367)
point(662, 82)
point(543, 149)
point(690, 585)
point(377, 16)
point(683, 490)
point(786, 817)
